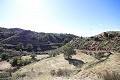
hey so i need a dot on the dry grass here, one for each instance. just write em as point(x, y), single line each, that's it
point(112, 75)
point(61, 72)
point(4, 65)
point(44, 67)
point(57, 66)
point(60, 69)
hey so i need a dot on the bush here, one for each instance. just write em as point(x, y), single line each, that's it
point(105, 34)
point(54, 53)
point(4, 56)
point(52, 72)
point(29, 47)
point(61, 72)
point(96, 39)
point(33, 56)
point(19, 62)
point(14, 61)
point(27, 61)
point(1, 49)
point(4, 75)
point(18, 76)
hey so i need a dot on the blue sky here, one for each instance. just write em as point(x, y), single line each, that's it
point(79, 17)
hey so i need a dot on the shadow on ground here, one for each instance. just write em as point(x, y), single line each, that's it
point(76, 62)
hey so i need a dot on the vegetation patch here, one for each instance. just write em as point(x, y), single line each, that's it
point(19, 62)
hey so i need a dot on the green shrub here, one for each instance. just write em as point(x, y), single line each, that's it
point(14, 61)
point(27, 61)
point(20, 62)
point(4, 56)
point(33, 56)
point(54, 53)
point(29, 47)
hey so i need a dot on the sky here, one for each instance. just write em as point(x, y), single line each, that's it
point(79, 17)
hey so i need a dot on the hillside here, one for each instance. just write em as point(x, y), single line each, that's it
point(81, 67)
point(42, 69)
point(97, 58)
point(107, 41)
point(9, 38)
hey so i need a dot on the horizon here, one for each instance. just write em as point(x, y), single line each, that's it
point(78, 17)
point(54, 32)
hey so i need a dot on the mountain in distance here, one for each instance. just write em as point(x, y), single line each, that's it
point(45, 41)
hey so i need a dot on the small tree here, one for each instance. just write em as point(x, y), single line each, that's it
point(4, 56)
point(20, 46)
point(14, 61)
point(33, 56)
point(68, 51)
point(105, 34)
point(29, 47)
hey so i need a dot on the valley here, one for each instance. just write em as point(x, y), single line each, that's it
point(66, 57)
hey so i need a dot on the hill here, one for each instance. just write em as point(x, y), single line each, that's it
point(42, 69)
point(106, 41)
point(80, 67)
point(9, 38)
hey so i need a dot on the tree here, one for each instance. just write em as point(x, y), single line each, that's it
point(33, 56)
point(4, 56)
point(20, 46)
point(29, 47)
point(14, 61)
point(68, 51)
point(17, 62)
point(105, 34)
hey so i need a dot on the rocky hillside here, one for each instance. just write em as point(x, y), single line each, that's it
point(9, 38)
point(106, 41)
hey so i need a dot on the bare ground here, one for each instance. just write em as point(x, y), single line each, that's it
point(4, 65)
